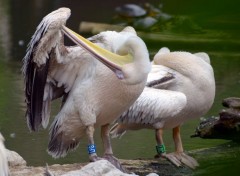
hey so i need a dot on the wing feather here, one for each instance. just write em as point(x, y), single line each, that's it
point(36, 64)
point(154, 106)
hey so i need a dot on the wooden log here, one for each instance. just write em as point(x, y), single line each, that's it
point(95, 28)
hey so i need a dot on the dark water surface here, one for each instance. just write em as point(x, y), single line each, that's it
point(210, 26)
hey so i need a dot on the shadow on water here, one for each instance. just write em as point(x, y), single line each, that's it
point(212, 27)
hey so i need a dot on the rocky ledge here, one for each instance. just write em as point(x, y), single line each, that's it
point(139, 167)
point(225, 126)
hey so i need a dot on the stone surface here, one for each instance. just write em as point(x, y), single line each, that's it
point(101, 167)
point(226, 126)
point(208, 158)
point(14, 159)
point(231, 102)
point(140, 167)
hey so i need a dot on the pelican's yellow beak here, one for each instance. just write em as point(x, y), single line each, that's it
point(111, 60)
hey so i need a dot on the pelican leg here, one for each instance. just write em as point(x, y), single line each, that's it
point(91, 146)
point(177, 140)
point(161, 151)
point(179, 158)
point(108, 153)
point(179, 153)
point(160, 147)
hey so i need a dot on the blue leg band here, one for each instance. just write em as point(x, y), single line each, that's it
point(91, 149)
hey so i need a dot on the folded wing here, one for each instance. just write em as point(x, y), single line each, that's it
point(154, 105)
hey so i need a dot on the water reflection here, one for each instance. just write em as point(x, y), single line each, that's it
point(219, 24)
point(5, 37)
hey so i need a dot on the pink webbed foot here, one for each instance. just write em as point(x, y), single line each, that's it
point(94, 157)
point(115, 162)
point(180, 159)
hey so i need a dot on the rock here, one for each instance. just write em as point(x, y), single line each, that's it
point(55, 169)
point(226, 126)
point(159, 166)
point(8, 159)
point(144, 23)
point(130, 10)
point(232, 102)
point(14, 159)
point(141, 167)
point(152, 174)
point(101, 167)
point(207, 157)
point(230, 116)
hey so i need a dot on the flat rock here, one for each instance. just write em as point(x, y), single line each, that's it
point(14, 159)
point(140, 167)
point(101, 167)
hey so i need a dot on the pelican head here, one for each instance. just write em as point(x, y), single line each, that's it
point(131, 54)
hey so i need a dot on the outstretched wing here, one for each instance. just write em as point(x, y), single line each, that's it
point(154, 105)
point(44, 49)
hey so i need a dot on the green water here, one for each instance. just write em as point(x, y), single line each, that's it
point(197, 26)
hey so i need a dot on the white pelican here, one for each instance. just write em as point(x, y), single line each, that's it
point(93, 96)
point(3, 158)
point(180, 87)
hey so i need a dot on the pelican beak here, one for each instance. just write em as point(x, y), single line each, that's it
point(113, 61)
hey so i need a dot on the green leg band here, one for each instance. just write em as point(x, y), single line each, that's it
point(160, 149)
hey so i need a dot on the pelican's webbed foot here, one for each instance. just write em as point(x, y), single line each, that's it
point(92, 153)
point(94, 157)
point(180, 159)
point(115, 162)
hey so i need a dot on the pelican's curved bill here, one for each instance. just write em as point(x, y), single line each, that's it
point(111, 60)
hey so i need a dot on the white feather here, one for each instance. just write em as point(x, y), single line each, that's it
point(154, 105)
point(3, 158)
